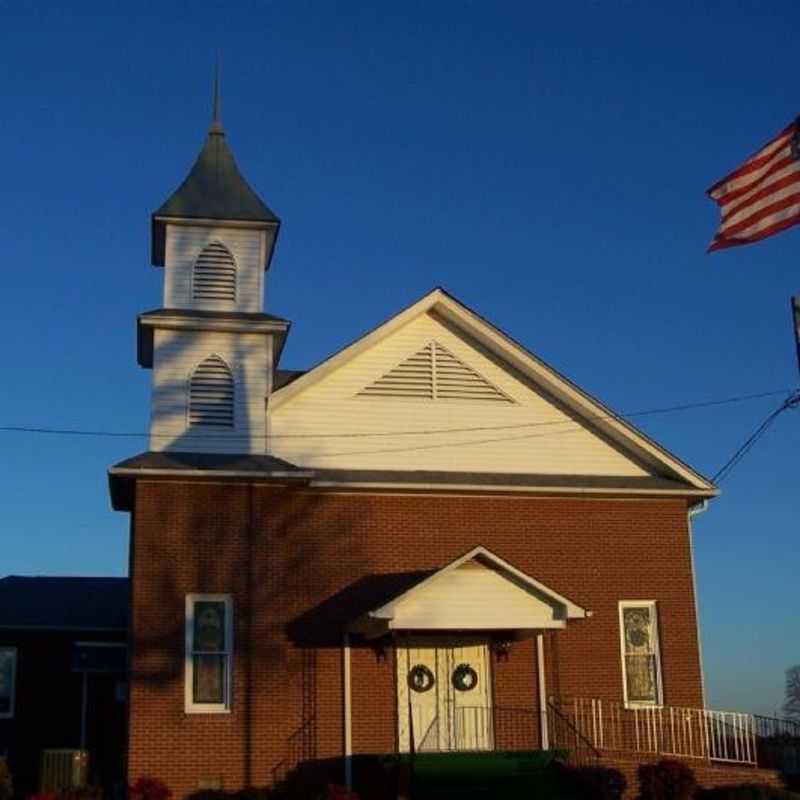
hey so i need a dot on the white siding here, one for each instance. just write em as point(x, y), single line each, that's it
point(184, 244)
point(176, 354)
point(475, 597)
point(529, 435)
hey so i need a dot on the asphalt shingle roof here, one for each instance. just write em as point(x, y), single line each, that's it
point(64, 603)
point(213, 189)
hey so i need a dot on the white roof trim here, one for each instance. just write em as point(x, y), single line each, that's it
point(386, 612)
point(443, 488)
point(561, 388)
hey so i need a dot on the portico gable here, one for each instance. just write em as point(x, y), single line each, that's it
point(479, 591)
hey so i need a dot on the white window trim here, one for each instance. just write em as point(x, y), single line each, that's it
point(15, 655)
point(190, 707)
point(653, 606)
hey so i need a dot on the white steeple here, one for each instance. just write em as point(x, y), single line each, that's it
point(211, 347)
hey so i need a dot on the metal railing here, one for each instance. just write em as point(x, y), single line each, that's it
point(588, 728)
point(778, 743)
point(564, 733)
point(665, 730)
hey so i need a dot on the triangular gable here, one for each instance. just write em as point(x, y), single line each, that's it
point(651, 458)
point(478, 591)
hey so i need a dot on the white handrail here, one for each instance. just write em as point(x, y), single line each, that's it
point(679, 731)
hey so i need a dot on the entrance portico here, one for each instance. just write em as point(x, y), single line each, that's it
point(445, 628)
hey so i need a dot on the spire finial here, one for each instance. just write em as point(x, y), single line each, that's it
point(216, 124)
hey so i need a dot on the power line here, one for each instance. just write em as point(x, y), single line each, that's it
point(793, 401)
point(366, 434)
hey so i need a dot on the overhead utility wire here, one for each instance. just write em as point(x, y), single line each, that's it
point(365, 434)
point(793, 401)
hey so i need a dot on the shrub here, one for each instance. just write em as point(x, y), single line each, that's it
point(336, 792)
point(87, 792)
point(666, 780)
point(601, 783)
point(6, 784)
point(746, 791)
point(148, 789)
point(592, 783)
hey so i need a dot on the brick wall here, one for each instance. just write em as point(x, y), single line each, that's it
point(294, 560)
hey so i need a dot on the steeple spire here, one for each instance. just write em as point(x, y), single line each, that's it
point(216, 124)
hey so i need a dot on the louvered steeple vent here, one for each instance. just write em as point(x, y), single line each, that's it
point(214, 275)
point(211, 394)
point(434, 373)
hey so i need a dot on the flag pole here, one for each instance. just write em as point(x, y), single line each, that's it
point(795, 304)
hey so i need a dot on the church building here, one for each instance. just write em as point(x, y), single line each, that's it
point(431, 541)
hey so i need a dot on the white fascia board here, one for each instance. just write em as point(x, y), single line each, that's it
point(203, 222)
point(180, 322)
point(144, 472)
point(574, 611)
point(558, 624)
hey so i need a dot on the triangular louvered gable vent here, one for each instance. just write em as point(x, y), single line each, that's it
point(434, 373)
point(211, 394)
point(214, 274)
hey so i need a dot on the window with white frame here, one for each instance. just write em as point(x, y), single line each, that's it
point(209, 652)
point(8, 676)
point(641, 663)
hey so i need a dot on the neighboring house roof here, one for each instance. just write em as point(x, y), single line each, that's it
point(74, 604)
point(214, 189)
point(660, 470)
point(151, 464)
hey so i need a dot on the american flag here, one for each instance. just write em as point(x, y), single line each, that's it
point(761, 197)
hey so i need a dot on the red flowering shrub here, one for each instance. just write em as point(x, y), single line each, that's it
point(335, 792)
point(148, 789)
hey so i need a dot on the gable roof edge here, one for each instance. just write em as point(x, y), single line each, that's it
point(518, 356)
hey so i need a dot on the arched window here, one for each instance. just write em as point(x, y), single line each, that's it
point(214, 274)
point(211, 394)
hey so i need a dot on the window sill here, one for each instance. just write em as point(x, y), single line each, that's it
point(195, 710)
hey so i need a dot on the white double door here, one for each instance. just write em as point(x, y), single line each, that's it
point(444, 697)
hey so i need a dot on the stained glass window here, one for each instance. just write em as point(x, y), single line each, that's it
point(209, 631)
point(640, 653)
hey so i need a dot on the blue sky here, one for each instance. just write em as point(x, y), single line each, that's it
point(545, 163)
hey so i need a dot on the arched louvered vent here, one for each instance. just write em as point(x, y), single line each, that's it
point(434, 373)
point(211, 394)
point(214, 274)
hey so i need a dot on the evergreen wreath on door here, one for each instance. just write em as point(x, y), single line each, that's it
point(464, 679)
point(420, 678)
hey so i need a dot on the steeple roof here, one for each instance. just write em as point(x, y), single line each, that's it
point(213, 189)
